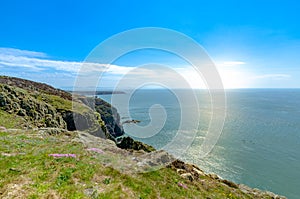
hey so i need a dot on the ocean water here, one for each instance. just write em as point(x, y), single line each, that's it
point(259, 145)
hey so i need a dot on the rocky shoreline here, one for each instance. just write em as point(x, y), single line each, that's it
point(47, 111)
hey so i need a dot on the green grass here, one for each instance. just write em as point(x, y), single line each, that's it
point(24, 162)
point(61, 103)
point(10, 120)
point(56, 101)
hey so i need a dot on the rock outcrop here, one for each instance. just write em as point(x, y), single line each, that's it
point(129, 143)
point(37, 112)
point(34, 86)
point(193, 173)
point(51, 111)
point(43, 106)
point(110, 116)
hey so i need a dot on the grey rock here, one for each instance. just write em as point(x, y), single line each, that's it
point(198, 172)
point(188, 176)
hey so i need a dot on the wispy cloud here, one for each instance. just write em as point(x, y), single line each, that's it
point(29, 61)
point(18, 52)
point(38, 61)
point(231, 63)
point(271, 76)
point(40, 67)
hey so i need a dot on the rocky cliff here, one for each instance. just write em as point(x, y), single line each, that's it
point(37, 120)
point(41, 105)
point(38, 105)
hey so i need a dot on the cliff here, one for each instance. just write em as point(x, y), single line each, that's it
point(52, 147)
point(40, 105)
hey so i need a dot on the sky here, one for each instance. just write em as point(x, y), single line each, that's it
point(254, 44)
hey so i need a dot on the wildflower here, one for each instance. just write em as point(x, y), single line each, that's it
point(95, 150)
point(182, 185)
point(58, 155)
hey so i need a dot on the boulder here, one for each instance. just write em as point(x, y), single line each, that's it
point(180, 171)
point(198, 172)
point(214, 176)
point(188, 176)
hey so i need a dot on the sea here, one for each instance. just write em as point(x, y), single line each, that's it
point(259, 145)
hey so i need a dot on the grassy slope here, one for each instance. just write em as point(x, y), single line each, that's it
point(10, 120)
point(40, 102)
point(27, 171)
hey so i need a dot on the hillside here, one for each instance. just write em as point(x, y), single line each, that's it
point(53, 148)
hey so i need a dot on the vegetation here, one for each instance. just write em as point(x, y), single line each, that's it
point(10, 121)
point(71, 161)
point(27, 171)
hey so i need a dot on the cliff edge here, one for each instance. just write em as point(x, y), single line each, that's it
point(52, 146)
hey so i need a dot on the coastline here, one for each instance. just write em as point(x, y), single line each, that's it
point(29, 130)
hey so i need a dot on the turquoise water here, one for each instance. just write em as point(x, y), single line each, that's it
point(260, 142)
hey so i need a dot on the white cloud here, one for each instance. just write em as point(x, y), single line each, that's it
point(233, 75)
point(37, 61)
point(30, 61)
point(230, 63)
point(18, 52)
point(272, 76)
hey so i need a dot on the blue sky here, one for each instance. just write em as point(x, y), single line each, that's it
point(255, 44)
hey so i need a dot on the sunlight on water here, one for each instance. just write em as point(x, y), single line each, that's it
point(260, 142)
